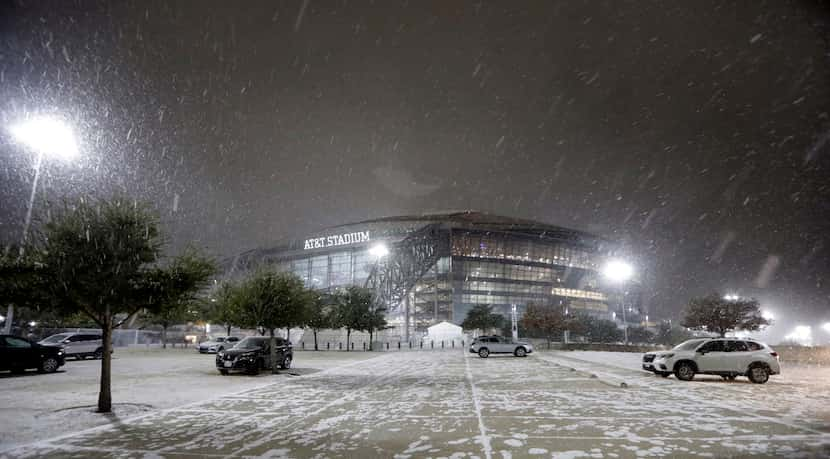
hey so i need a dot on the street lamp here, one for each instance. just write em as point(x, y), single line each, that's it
point(767, 315)
point(44, 136)
point(619, 272)
point(379, 250)
point(826, 327)
point(731, 297)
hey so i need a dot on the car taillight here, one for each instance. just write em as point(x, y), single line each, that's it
point(774, 354)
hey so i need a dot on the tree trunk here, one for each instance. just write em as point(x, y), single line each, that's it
point(370, 339)
point(314, 330)
point(105, 391)
point(7, 329)
point(288, 334)
point(273, 346)
point(164, 336)
point(348, 336)
point(229, 330)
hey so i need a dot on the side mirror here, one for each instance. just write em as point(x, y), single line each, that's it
point(701, 351)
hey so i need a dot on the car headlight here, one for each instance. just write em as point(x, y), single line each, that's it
point(666, 356)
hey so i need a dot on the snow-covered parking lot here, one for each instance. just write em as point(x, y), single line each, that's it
point(41, 406)
point(449, 403)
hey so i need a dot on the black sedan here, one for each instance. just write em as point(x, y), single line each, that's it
point(19, 354)
point(253, 354)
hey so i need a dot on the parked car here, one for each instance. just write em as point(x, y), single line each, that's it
point(78, 345)
point(253, 354)
point(214, 345)
point(19, 354)
point(486, 345)
point(726, 357)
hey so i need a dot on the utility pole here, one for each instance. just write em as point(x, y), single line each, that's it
point(515, 326)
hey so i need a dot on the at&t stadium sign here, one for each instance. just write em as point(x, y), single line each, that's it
point(339, 239)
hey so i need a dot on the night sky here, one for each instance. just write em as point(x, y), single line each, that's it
point(697, 133)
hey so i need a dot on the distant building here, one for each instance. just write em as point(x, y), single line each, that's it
point(433, 268)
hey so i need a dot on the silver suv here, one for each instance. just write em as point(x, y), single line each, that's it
point(218, 344)
point(78, 345)
point(486, 345)
point(726, 357)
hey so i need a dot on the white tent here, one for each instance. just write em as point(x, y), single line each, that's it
point(444, 331)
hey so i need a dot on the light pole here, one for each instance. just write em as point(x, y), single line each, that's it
point(619, 272)
point(380, 251)
point(43, 136)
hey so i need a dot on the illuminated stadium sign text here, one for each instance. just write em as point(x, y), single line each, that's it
point(340, 239)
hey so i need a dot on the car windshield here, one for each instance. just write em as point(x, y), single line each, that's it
point(56, 338)
point(251, 343)
point(219, 340)
point(688, 345)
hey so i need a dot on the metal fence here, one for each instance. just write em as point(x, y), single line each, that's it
point(120, 337)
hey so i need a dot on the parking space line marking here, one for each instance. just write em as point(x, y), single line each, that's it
point(485, 439)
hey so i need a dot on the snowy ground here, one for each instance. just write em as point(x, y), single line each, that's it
point(41, 406)
point(450, 403)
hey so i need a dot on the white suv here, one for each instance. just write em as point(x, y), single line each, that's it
point(486, 345)
point(78, 345)
point(726, 357)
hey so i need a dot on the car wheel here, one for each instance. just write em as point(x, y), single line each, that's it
point(253, 370)
point(223, 372)
point(684, 371)
point(520, 352)
point(758, 374)
point(728, 377)
point(483, 353)
point(50, 365)
point(99, 354)
point(286, 364)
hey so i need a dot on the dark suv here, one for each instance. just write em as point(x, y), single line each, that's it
point(253, 354)
point(18, 355)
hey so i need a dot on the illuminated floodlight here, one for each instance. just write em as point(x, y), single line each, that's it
point(767, 315)
point(32, 323)
point(47, 136)
point(826, 327)
point(802, 334)
point(731, 297)
point(379, 251)
point(618, 271)
point(2, 318)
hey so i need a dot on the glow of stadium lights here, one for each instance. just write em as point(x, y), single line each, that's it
point(32, 323)
point(379, 250)
point(731, 297)
point(802, 334)
point(47, 136)
point(618, 271)
point(2, 318)
point(767, 315)
point(826, 327)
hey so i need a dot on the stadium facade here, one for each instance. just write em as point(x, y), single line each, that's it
point(432, 268)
